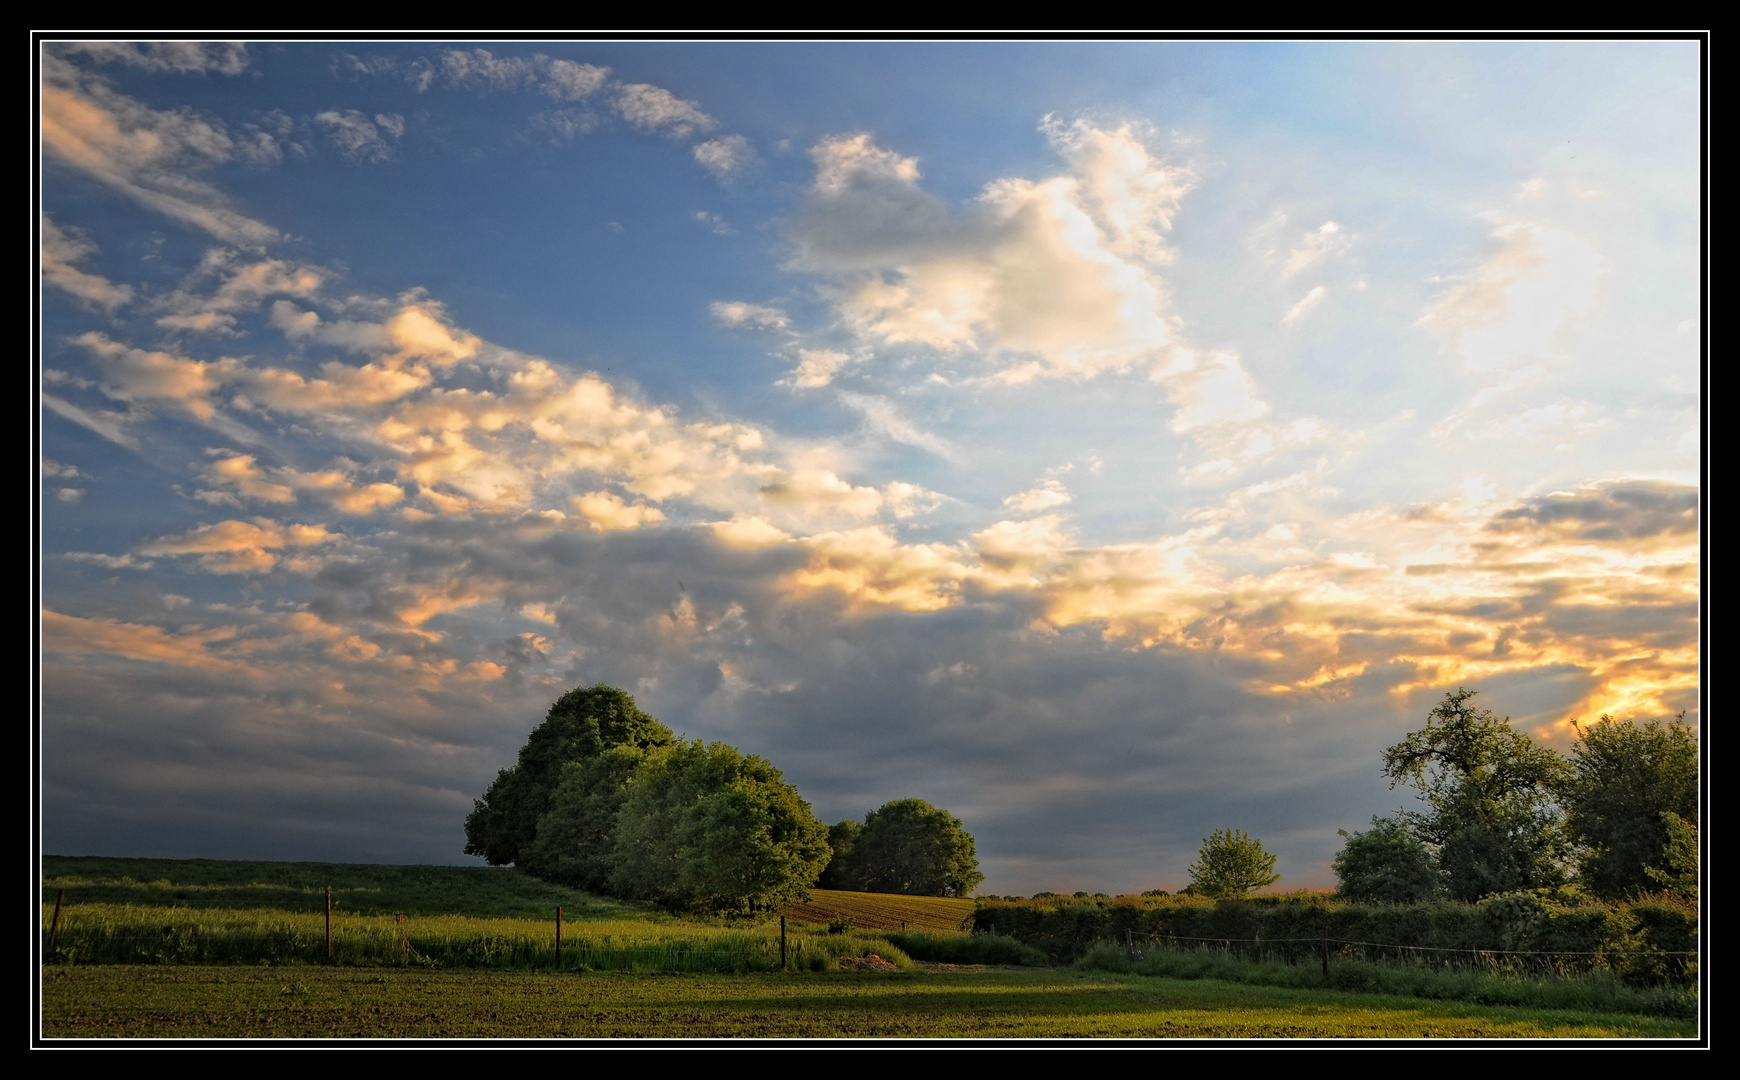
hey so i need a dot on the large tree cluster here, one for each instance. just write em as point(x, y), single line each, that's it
point(1500, 813)
point(603, 798)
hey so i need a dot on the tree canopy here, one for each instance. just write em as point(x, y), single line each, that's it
point(706, 828)
point(1387, 864)
point(1491, 819)
point(906, 846)
point(1631, 786)
point(583, 723)
point(1231, 864)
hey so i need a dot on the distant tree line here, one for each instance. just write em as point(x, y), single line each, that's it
point(1501, 814)
point(604, 798)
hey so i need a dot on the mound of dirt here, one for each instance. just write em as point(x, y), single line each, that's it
point(865, 963)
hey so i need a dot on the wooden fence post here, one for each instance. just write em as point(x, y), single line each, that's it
point(1326, 955)
point(782, 943)
point(558, 937)
point(54, 927)
point(329, 924)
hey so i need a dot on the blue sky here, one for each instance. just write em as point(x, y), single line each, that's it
point(1110, 443)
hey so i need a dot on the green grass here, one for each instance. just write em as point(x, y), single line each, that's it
point(1598, 992)
point(201, 1002)
point(126, 934)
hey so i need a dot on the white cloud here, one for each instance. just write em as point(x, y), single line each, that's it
point(1047, 494)
point(714, 224)
point(882, 417)
point(655, 109)
point(816, 367)
point(758, 316)
point(566, 80)
point(725, 157)
point(1326, 239)
point(1040, 278)
point(1510, 312)
point(1305, 304)
point(360, 139)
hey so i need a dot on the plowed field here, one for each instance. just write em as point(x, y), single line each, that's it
point(883, 911)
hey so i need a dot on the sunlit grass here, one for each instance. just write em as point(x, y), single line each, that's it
point(129, 934)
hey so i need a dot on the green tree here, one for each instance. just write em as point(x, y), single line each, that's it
point(1491, 819)
point(704, 828)
point(1626, 778)
point(1678, 873)
point(1231, 864)
point(575, 842)
point(909, 846)
point(582, 724)
point(843, 840)
point(1387, 864)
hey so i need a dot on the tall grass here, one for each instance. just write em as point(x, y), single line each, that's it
point(127, 934)
point(967, 949)
point(1596, 992)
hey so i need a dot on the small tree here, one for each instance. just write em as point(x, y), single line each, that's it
point(1385, 865)
point(1231, 864)
point(909, 846)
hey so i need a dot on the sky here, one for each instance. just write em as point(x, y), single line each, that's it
point(1108, 443)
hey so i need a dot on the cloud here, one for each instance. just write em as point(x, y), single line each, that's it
point(1327, 239)
point(360, 139)
point(60, 251)
point(180, 57)
point(657, 110)
point(1509, 313)
point(602, 510)
point(1559, 424)
point(715, 224)
point(148, 155)
point(241, 284)
point(726, 157)
point(75, 636)
point(816, 367)
point(1048, 494)
point(110, 425)
point(566, 80)
point(884, 418)
point(1306, 303)
point(736, 313)
point(1611, 512)
point(1045, 279)
point(239, 547)
point(156, 377)
point(236, 478)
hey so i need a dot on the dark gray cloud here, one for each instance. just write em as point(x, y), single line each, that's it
point(1609, 513)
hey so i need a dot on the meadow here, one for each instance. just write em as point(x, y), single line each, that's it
point(199, 948)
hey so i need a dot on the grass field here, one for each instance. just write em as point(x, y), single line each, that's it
point(198, 948)
point(883, 911)
point(203, 1002)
